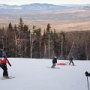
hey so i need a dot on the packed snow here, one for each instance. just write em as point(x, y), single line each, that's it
point(36, 74)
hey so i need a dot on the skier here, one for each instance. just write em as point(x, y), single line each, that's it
point(87, 74)
point(71, 61)
point(0, 53)
point(54, 62)
point(3, 65)
point(3, 54)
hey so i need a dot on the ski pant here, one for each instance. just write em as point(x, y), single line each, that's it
point(71, 62)
point(54, 64)
point(5, 71)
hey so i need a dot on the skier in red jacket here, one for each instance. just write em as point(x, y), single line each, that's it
point(3, 65)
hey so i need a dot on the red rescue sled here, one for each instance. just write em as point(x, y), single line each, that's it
point(61, 63)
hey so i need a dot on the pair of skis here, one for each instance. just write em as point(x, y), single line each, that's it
point(5, 78)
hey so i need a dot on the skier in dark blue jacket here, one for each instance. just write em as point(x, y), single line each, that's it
point(71, 61)
point(54, 62)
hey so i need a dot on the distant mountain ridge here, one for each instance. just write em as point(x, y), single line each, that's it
point(37, 7)
point(30, 7)
point(61, 17)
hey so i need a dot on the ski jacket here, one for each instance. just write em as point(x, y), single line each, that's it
point(4, 61)
point(54, 60)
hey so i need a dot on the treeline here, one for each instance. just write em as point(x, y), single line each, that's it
point(21, 41)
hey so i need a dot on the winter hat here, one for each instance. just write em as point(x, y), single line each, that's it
point(55, 57)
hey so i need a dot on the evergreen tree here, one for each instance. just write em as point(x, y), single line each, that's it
point(63, 46)
point(10, 40)
point(21, 25)
point(37, 43)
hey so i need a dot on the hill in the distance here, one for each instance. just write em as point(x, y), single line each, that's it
point(36, 7)
point(61, 17)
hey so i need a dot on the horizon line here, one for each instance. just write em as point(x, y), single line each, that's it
point(47, 3)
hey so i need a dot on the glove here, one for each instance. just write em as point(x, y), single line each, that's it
point(86, 73)
point(10, 65)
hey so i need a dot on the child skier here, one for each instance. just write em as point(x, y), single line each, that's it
point(54, 62)
point(71, 61)
point(3, 65)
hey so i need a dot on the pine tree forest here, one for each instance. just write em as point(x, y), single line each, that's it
point(21, 41)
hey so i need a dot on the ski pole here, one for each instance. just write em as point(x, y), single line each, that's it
point(88, 83)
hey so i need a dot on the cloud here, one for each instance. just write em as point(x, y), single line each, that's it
point(18, 2)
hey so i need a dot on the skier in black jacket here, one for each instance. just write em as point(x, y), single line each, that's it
point(54, 62)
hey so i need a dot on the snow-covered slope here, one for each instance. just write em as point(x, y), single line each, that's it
point(36, 74)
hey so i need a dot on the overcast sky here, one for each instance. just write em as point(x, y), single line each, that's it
point(19, 2)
